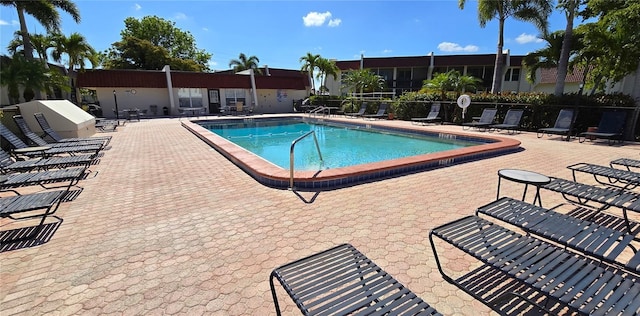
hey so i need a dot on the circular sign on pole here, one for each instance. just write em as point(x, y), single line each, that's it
point(463, 102)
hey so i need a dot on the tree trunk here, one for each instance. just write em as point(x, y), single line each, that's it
point(635, 94)
point(26, 42)
point(496, 86)
point(563, 63)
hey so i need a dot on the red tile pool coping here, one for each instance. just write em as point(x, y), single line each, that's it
point(274, 176)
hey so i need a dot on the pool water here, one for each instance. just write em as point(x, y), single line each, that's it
point(340, 146)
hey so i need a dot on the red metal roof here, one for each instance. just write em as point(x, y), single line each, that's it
point(549, 75)
point(280, 79)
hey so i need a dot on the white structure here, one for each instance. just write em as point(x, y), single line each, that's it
point(64, 117)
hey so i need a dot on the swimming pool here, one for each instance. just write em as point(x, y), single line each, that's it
point(275, 176)
point(340, 145)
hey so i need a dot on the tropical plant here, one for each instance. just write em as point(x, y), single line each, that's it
point(549, 56)
point(570, 8)
point(78, 51)
point(45, 12)
point(310, 62)
point(362, 80)
point(535, 11)
point(31, 75)
point(243, 63)
point(41, 44)
point(326, 68)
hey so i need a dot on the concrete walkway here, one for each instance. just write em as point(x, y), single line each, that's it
point(169, 226)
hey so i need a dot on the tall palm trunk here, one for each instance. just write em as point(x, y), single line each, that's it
point(26, 42)
point(496, 86)
point(563, 62)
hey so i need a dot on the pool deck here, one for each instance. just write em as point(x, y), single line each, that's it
point(170, 226)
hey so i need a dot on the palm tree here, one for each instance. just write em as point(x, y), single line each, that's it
point(41, 43)
point(31, 75)
point(363, 80)
point(535, 11)
point(326, 68)
point(310, 62)
point(45, 12)
point(546, 57)
point(570, 8)
point(78, 50)
point(243, 63)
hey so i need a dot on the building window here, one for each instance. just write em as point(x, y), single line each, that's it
point(190, 97)
point(513, 74)
point(234, 95)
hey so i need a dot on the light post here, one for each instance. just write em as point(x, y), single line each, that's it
point(115, 99)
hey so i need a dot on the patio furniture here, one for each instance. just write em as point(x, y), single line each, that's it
point(43, 178)
point(606, 175)
point(343, 281)
point(486, 119)
point(51, 133)
point(511, 121)
point(382, 110)
point(611, 128)
point(363, 109)
point(69, 147)
point(432, 117)
point(597, 241)
point(525, 177)
point(567, 277)
point(600, 199)
point(563, 125)
point(627, 163)
point(8, 164)
point(45, 202)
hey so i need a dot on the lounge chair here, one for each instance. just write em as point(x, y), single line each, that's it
point(343, 281)
point(79, 146)
point(363, 109)
point(486, 119)
point(627, 163)
point(382, 113)
point(8, 164)
point(563, 125)
point(20, 149)
point(70, 176)
point(511, 121)
point(570, 279)
point(432, 117)
point(605, 175)
point(51, 133)
point(45, 202)
point(611, 127)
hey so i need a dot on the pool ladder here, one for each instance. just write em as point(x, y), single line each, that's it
point(291, 154)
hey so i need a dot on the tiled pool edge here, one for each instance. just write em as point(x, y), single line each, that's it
point(270, 175)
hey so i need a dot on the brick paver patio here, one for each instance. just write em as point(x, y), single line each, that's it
point(169, 226)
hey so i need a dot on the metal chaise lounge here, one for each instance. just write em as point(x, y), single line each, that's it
point(363, 109)
point(432, 117)
point(71, 176)
point(382, 113)
point(23, 207)
point(20, 149)
point(8, 164)
point(567, 279)
point(70, 147)
point(51, 133)
point(563, 125)
point(607, 176)
point(611, 127)
point(592, 239)
point(486, 119)
point(511, 121)
point(343, 281)
point(627, 163)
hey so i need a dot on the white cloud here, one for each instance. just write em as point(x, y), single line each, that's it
point(455, 47)
point(387, 51)
point(205, 29)
point(334, 22)
point(180, 16)
point(528, 38)
point(3, 22)
point(13, 23)
point(137, 7)
point(316, 18)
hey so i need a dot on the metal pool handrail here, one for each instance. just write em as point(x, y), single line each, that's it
point(293, 144)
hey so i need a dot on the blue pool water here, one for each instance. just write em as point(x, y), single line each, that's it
point(340, 146)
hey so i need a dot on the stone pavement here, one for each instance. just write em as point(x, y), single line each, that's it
point(169, 226)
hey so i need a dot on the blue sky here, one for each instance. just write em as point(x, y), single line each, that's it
point(280, 32)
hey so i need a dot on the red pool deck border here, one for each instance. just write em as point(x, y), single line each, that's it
point(274, 176)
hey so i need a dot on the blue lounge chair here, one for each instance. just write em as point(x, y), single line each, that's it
point(563, 125)
point(433, 116)
point(611, 127)
point(511, 121)
point(79, 146)
point(486, 119)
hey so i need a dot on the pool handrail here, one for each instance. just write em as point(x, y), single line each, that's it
point(291, 154)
